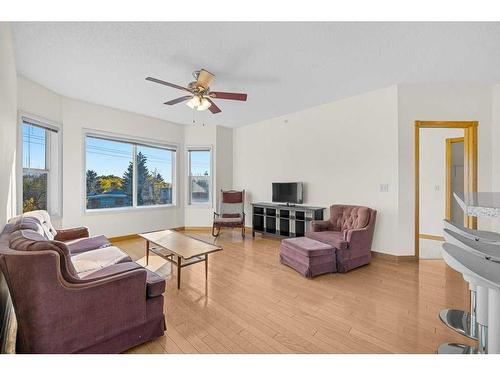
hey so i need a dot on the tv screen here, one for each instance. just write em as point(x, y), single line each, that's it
point(287, 192)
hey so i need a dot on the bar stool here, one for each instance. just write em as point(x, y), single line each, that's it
point(474, 324)
point(484, 244)
point(485, 274)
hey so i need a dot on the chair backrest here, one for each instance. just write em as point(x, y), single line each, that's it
point(33, 232)
point(345, 217)
point(232, 203)
point(38, 221)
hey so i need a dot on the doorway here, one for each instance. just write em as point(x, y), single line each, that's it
point(455, 178)
point(469, 169)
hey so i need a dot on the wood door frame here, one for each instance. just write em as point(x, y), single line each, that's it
point(470, 165)
point(449, 188)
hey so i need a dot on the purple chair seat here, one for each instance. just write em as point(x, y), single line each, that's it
point(335, 239)
point(307, 256)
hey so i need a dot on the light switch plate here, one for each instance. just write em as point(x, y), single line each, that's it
point(384, 188)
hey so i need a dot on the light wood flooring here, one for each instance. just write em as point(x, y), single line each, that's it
point(254, 304)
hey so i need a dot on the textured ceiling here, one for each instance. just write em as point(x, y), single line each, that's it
point(284, 67)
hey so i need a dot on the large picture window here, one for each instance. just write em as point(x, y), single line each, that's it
point(200, 180)
point(40, 166)
point(124, 174)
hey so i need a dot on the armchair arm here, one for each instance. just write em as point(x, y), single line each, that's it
point(100, 309)
point(77, 315)
point(71, 234)
point(359, 240)
point(320, 225)
point(155, 285)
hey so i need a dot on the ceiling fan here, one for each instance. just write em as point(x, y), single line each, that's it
point(200, 97)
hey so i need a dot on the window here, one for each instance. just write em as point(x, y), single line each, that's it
point(124, 174)
point(41, 188)
point(199, 179)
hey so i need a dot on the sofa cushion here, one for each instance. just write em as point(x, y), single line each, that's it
point(87, 243)
point(93, 260)
point(335, 239)
point(307, 246)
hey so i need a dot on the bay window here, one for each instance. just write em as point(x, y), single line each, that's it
point(40, 163)
point(122, 173)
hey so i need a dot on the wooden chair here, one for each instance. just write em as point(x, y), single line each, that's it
point(231, 212)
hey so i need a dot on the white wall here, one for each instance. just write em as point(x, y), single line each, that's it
point(8, 120)
point(438, 102)
point(224, 161)
point(342, 151)
point(495, 137)
point(433, 178)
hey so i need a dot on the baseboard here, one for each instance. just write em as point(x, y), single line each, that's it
point(207, 228)
point(124, 238)
point(431, 237)
point(394, 258)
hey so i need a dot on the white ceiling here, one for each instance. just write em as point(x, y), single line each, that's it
point(283, 67)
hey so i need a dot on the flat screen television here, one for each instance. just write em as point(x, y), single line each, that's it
point(287, 192)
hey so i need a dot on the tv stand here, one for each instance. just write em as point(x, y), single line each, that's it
point(283, 219)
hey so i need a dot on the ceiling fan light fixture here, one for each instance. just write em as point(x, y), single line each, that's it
point(198, 103)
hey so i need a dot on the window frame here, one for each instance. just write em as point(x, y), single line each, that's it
point(210, 203)
point(134, 141)
point(50, 168)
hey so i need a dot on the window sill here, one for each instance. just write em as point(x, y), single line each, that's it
point(97, 211)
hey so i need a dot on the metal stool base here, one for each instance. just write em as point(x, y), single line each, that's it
point(453, 348)
point(460, 322)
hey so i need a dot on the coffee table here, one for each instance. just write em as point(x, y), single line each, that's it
point(179, 249)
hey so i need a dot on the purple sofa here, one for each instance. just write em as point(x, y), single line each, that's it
point(350, 231)
point(76, 294)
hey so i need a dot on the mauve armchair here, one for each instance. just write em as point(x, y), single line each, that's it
point(350, 230)
point(76, 300)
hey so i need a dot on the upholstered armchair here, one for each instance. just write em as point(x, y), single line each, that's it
point(350, 230)
point(231, 212)
point(95, 301)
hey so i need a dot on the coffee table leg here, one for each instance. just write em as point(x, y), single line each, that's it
point(147, 252)
point(206, 268)
point(178, 272)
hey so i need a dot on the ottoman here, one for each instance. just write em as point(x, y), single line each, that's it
point(308, 257)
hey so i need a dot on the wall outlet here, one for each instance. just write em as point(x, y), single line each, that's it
point(437, 187)
point(384, 188)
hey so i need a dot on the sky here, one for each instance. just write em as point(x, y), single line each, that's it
point(107, 157)
point(34, 139)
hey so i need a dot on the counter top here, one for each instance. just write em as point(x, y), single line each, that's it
point(481, 204)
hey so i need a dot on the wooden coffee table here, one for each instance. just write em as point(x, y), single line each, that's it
point(179, 249)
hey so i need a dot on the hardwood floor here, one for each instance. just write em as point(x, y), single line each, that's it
point(254, 304)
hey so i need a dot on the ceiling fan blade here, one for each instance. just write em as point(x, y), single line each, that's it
point(204, 78)
point(166, 83)
point(178, 100)
point(228, 95)
point(213, 108)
